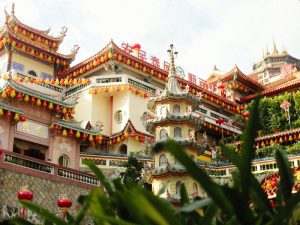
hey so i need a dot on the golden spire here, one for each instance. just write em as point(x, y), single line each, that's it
point(172, 71)
point(284, 50)
point(275, 51)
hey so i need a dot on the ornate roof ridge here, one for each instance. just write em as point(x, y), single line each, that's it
point(70, 56)
point(74, 125)
point(43, 33)
point(26, 90)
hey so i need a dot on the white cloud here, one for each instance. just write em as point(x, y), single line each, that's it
point(205, 32)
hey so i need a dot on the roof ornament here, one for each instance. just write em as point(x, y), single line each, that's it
point(75, 49)
point(275, 51)
point(13, 9)
point(267, 52)
point(172, 71)
point(63, 31)
point(284, 50)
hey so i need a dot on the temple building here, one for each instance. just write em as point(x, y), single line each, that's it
point(116, 103)
point(274, 66)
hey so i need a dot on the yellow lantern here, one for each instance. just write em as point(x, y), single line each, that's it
point(91, 138)
point(1, 112)
point(26, 99)
point(17, 117)
point(16, 78)
point(118, 139)
point(50, 106)
point(136, 138)
point(13, 93)
point(126, 134)
point(64, 133)
point(56, 81)
point(100, 138)
point(4, 95)
point(111, 89)
point(4, 76)
point(73, 111)
point(75, 81)
point(66, 82)
point(47, 81)
point(122, 88)
point(77, 135)
point(64, 111)
point(51, 126)
point(110, 55)
point(38, 102)
point(26, 80)
point(90, 91)
point(83, 81)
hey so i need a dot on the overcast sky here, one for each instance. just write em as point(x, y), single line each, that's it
point(205, 33)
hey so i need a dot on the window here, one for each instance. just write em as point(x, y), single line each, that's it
point(163, 134)
point(18, 66)
point(195, 188)
point(63, 160)
point(163, 160)
point(31, 72)
point(46, 76)
point(178, 184)
point(123, 149)
point(163, 111)
point(177, 133)
point(118, 116)
point(176, 109)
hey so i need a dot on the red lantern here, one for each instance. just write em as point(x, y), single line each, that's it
point(32, 100)
point(57, 108)
point(220, 121)
point(132, 134)
point(8, 115)
point(45, 104)
point(63, 203)
point(71, 132)
point(32, 80)
point(19, 96)
point(246, 115)
point(22, 119)
point(136, 47)
point(24, 195)
point(1, 151)
point(84, 136)
point(221, 86)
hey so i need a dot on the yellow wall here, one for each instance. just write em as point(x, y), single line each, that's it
point(120, 102)
point(170, 129)
point(30, 64)
point(100, 111)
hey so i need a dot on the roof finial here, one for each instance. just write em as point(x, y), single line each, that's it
point(275, 51)
point(284, 50)
point(171, 52)
point(13, 9)
point(267, 52)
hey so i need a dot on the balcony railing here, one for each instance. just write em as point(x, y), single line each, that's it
point(49, 168)
point(107, 160)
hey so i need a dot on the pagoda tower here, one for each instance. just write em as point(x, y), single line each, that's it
point(175, 118)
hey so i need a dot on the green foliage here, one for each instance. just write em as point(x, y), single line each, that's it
point(272, 117)
point(133, 172)
point(242, 203)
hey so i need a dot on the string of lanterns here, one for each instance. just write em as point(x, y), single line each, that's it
point(33, 52)
point(37, 80)
point(123, 88)
point(12, 115)
point(11, 93)
point(216, 128)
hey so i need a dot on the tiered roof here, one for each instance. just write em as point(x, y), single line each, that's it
point(36, 43)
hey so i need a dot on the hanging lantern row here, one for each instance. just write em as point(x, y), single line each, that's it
point(11, 93)
point(216, 128)
point(79, 135)
point(211, 98)
point(278, 140)
point(123, 88)
point(31, 51)
point(107, 56)
point(12, 115)
point(237, 86)
point(37, 80)
point(51, 44)
point(123, 136)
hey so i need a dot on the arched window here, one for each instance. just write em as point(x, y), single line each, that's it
point(195, 188)
point(178, 184)
point(123, 149)
point(176, 109)
point(64, 160)
point(163, 160)
point(177, 133)
point(33, 73)
point(118, 116)
point(163, 134)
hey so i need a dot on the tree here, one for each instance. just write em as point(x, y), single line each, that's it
point(133, 172)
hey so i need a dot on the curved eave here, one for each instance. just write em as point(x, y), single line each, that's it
point(173, 98)
point(24, 90)
point(16, 38)
point(71, 125)
point(192, 121)
point(273, 91)
point(42, 33)
point(166, 172)
point(10, 108)
point(111, 46)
